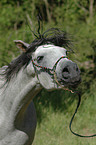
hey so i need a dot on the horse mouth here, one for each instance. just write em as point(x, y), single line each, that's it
point(72, 85)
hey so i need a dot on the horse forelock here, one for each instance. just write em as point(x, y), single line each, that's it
point(51, 36)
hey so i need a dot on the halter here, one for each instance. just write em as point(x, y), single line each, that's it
point(52, 72)
point(48, 69)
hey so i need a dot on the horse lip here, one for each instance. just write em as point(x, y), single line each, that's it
point(74, 85)
point(70, 84)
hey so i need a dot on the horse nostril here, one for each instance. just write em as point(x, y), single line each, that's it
point(65, 70)
point(65, 73)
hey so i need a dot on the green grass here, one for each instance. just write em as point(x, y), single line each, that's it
point(54, 111)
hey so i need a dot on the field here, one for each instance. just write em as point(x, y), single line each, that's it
point(54, 114)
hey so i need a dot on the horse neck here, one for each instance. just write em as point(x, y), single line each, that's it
point(20, 91)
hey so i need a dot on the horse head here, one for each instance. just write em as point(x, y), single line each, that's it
point(51, 65)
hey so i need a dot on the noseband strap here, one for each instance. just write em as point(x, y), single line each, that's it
point(48, 69)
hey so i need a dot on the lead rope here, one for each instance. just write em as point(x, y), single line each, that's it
point(70, 125)
point(78, 104)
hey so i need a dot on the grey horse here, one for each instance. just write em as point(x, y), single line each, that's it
point(42, 64)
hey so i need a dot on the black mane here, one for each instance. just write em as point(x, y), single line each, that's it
point(52, 36)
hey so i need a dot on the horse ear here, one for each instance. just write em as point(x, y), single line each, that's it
point(22, 45)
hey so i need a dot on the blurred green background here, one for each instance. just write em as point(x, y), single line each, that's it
point(54, 109)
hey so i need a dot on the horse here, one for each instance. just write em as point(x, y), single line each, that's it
point(42, 64)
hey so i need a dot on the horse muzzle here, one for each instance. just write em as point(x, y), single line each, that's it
point(68, 73)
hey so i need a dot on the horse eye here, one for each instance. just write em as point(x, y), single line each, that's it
point(40, 58)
